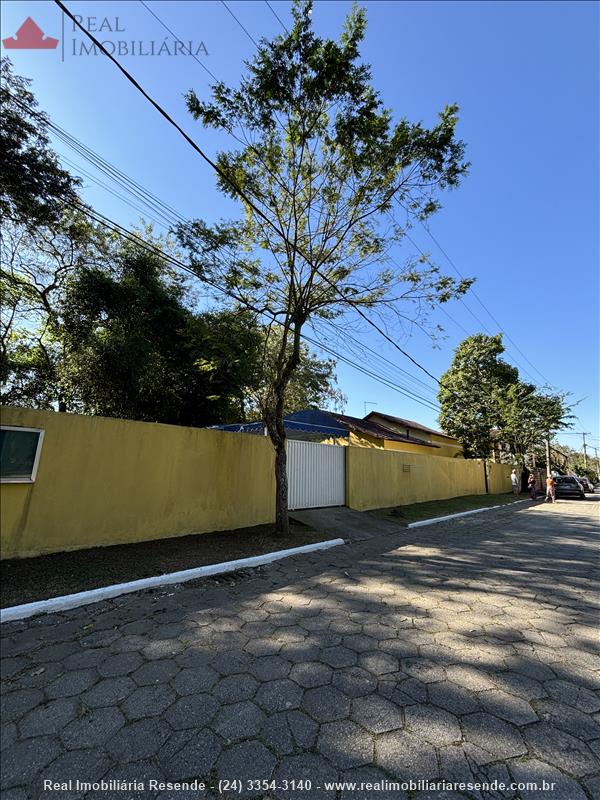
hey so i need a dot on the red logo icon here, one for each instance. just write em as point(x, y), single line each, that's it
point(30, 37)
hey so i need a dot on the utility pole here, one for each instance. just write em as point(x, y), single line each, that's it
point(548, 468)
point(584, 434)
point(597, 462)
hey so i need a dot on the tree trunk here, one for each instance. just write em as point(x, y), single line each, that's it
point(485, 476)
point(275, 424)
point(282, 522)
point(523, 475)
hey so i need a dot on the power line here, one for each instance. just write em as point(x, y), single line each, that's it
point(241, 193)
point(166, 27)
point(461, 300)
point(79, 169)
point(346, 334)
point(433, 238)
point(486, 309)
point(455, 321)
point(324, 277)
point(358, 310)
point(246, 31)
point(125, 181)
point(407, 390)
point(170, 30)
point(153, 249)
point(277, 17)
point(373, 375)
point(115, 175)
point(361, 346)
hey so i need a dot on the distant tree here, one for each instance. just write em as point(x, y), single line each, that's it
point(34, 189)
point(528, 417)
point(323, 164)
point(569, 460)
point(469, 392)
point(133, 349)
point(484, 402)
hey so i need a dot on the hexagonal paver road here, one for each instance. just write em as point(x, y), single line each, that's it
point(466, 651)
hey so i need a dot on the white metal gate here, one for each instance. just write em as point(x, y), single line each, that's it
point(316, 474)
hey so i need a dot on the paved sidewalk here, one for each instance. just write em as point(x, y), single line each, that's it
point(467, 653)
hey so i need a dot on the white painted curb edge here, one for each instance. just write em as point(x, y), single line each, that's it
point(105, 592)
point(460, 514)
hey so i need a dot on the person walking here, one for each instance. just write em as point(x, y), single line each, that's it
point(550, 489)
point(532, 485)
point(515, 482)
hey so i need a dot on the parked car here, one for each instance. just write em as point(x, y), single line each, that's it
point(586, 483)
point(568, 486)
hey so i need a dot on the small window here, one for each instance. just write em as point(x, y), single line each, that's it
point(19, 453)
point(405, 467)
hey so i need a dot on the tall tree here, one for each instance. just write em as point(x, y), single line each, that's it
point(469, 390)
point(484, 402)
point(319, 168)
point(33, 187)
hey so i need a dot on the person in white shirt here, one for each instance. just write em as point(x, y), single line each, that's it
point(514, 479)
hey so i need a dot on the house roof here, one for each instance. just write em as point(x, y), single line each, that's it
point(309, 421)
point(322, 418)
point(330, 423)
point(409, 423)
point(241, 427)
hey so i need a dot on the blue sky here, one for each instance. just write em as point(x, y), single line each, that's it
point(524, 222)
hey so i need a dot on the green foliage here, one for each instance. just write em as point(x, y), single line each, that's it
point(93, 326)
point(468, 390)
point(313, 384)
point(483, 402)
point(28, 373)
point(36, 262)
point(567, 459)
point(528, 416)
point(325, 166)
point(33, 187)
point(320, 168)
point(133, 349)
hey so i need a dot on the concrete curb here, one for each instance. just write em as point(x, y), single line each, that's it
point(65, 602)
point(434, 520)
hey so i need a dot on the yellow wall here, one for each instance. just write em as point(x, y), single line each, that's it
point(409, 447)
point(107, 481)
point(377, 479)
point(499, 477)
